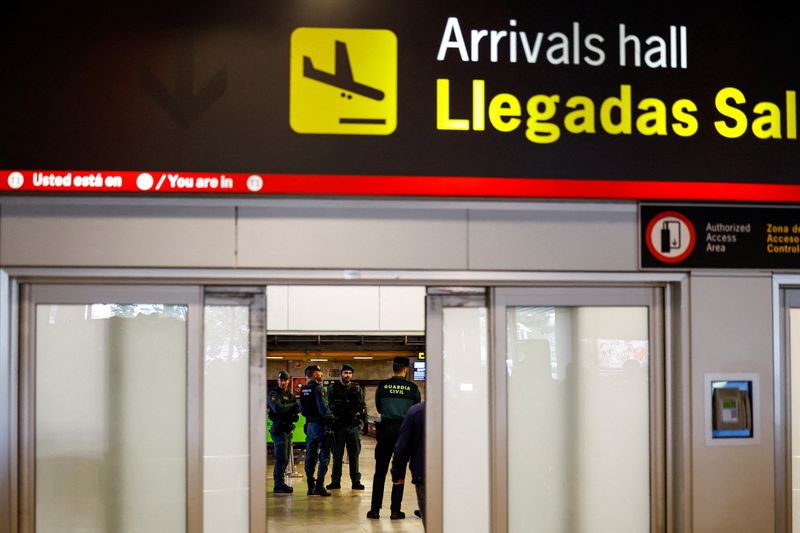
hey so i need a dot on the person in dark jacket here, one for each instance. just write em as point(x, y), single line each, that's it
point(346, 398)
point(393, 398)
point(410, 450)
point(319, 430)
point(282, 408)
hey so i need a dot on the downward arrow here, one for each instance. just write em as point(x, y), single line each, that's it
point(183, 104)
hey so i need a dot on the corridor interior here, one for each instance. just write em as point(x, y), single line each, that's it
point(309, 325)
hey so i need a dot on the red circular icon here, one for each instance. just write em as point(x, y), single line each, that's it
point(670, 237)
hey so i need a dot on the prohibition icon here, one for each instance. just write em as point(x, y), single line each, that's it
point(670, 237)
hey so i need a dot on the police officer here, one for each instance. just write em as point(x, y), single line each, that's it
point(346, 399)
point(393, 398)
point(319, 429)
point(282, 409)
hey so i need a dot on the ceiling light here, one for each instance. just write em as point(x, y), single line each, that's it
point(274, 357)
point(362, 357)
point(319, 360)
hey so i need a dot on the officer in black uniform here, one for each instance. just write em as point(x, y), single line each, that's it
point(393, 398)
point(282, 409)
point(319, 429)
point(346, 399)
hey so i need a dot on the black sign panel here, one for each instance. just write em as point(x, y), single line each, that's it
point(591, 92)
point(720, 237)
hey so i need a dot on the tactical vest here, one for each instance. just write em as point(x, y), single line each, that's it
point(308, 402)
point(345, 402)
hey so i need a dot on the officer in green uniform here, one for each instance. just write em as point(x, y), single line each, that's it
point(393, 398)
point(346, 399)
point(319, 430)
point(282, 410)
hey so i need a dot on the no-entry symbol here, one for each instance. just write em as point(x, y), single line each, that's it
point(670, 237)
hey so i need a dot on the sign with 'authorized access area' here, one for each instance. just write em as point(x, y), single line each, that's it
point(719, 237)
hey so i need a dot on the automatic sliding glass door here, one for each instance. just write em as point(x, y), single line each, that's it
point(142, 409)
point(577, 380)
point(109, 387)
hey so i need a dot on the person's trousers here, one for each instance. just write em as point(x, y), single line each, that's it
point(387, 432)
point(283, 447)
point(346, 437)
point(317, 449)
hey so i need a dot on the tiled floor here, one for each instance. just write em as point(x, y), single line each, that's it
point(346, 510)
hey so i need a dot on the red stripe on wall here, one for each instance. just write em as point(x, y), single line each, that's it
point(196, 183)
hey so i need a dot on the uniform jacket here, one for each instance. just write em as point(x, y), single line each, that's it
point(314, 403)
point(394, 396)
point(282, 405)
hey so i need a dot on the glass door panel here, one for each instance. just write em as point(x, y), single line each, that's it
point(457, 413)
point(136, 415)
point(226, 419)
point(108, 385)
point(579, 409)
point(465, 409)
point(233, 399)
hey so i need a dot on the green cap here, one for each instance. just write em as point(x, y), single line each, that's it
point(346, 367)
point(283, 374)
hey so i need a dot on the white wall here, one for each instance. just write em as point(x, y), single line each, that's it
point(117, 235)
point(340, 309)
point(75, 232)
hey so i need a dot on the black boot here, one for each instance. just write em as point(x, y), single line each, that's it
point(311, 485)
point(397, 501)
point(320, 489)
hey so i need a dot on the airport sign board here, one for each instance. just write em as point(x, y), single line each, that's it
point(401, 98)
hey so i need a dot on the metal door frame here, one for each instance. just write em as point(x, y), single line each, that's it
point(785, 296)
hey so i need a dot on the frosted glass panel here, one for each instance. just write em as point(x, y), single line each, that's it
point(226, 462)
point(465, 469)
point(794, 325)
point(110, 418)
point(578, 416)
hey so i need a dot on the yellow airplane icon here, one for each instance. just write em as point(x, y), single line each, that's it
point(325, 96)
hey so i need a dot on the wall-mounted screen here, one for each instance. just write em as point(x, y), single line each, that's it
point(419, 370)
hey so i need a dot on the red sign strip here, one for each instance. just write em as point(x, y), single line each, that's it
point(165, 183)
